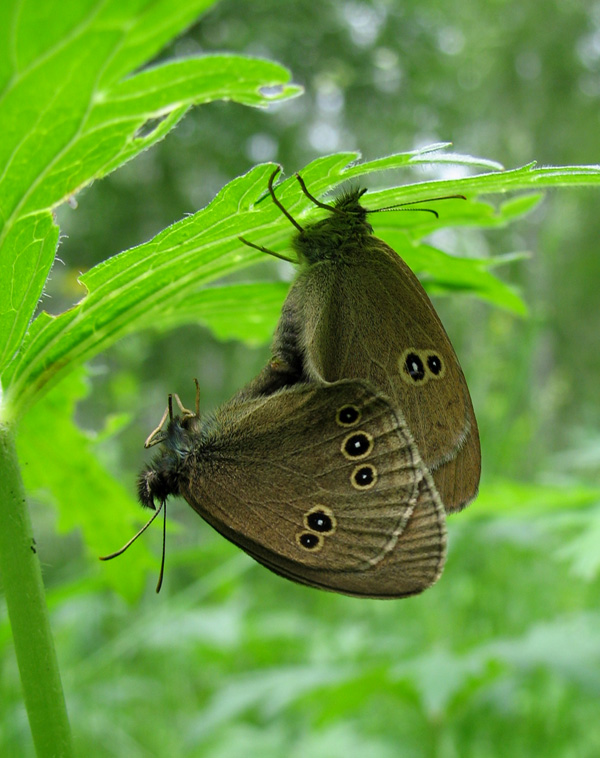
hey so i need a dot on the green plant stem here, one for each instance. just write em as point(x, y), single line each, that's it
point(28, 613)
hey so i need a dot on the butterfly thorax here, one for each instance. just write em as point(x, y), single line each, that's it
point(341, 236)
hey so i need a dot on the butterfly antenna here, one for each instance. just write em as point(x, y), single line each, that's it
point(401, 207)
point(185, 412)
point(157, 435)
point(266, 250)
point(197, 397)
point(314, 200)
point(164, 549)
point(139, 534)
point(285, 212)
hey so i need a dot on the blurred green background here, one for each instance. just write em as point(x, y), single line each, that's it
point(502, 656)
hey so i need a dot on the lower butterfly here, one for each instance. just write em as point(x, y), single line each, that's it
point(321, 483)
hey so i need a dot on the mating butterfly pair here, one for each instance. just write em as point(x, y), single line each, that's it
point(335, 467)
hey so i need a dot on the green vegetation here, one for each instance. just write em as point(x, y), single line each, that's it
point(502, 656)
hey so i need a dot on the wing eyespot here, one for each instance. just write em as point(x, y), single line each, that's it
point(320, 519)
point(417, 366)
point(310, 541)
point(436, 367)
point(412, 367)
point(348, 415)
point(319, 522)
point(364, 477)
point(357, 445)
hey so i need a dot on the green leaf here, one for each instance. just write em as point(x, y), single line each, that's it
point(442, 273)
point(244, 312)
point(68, 116)
point(454, 212)
point(27, 256)
point(130, 290)
point(429, 155)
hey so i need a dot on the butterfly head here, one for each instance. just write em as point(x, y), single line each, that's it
point(162, 476)
point(337, 236)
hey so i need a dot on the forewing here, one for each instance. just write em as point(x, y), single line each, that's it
point(372, 320)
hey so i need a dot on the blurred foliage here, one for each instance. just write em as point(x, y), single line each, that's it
point(502, 656)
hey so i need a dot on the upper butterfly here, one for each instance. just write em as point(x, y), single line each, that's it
point(357, 311)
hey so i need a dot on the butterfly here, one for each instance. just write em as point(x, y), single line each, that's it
point(357, 311)
point(322, 484)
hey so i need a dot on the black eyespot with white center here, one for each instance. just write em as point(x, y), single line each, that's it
point(310, 541)
point(364, 477)
point(413, 365)
point(357, 445)
point(434, 364)
point(348, 415)
point(418, 365)
point(319, 521)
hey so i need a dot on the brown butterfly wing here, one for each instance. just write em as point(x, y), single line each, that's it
point(413, 564)
point(281, 477)
point(368, 318)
